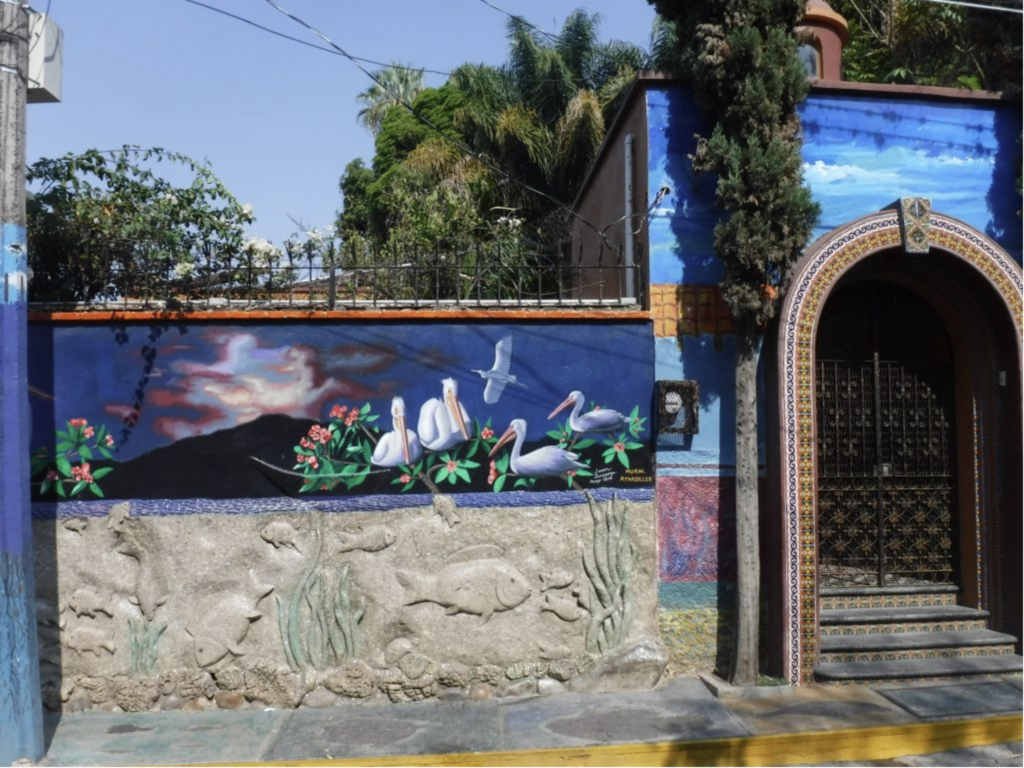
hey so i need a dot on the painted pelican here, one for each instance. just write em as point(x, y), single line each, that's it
point(605, 421)
point(547, 461)
point(443, 420)
point(499, 377)
point(400, 446)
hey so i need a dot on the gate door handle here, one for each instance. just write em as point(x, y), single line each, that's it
point(883, 470)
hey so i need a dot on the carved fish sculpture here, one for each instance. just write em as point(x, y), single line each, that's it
point(563, 607)
point(480, 587)
point(222, 627)
point(373, 539)
point(85, 602)
point(555, 579)
point(280, 534)
point(89, 640)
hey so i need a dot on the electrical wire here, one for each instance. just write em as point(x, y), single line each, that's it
point(458, 144)
point(553, 38)
point(978, 5)
point(308, 44)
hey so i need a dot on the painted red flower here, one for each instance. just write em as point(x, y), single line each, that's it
point(110, 441)
point(352, 418)
point(492, 475)
point(452, 466)
point(52, 476)
point(486, 433)
point(619, 447)
point(78, 422)
point(81, 473)
point(88, 432)
point(313, 462)
point(405, 479)
point(338, 411)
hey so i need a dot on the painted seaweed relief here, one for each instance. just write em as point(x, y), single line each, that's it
point(210, 411)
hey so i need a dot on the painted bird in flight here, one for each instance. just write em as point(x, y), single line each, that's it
point(499, 377)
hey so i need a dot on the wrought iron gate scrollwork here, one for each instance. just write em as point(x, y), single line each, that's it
point(886, 467)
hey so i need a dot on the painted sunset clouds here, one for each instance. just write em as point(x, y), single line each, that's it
point(246, 381)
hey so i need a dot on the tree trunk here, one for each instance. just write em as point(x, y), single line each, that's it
point(748, 557)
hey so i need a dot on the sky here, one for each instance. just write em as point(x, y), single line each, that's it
point(276, 120)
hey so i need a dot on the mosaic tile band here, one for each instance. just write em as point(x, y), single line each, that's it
point(812, 282)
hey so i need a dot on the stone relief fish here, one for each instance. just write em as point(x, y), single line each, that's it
point(75, 524)
point(224, 624)
point(564, 608)
point(480, 587)
point(85, 602)
point(89, 640)
point(280, 534)
point(373, 539)
point(556, 579)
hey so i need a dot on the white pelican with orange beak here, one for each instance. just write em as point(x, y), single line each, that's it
point(600, 420)
point(398, 447)
point(547, 461)
point(443, 420)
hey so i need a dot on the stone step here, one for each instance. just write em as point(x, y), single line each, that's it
point(902, 641)
point(901, 615)
point(930, 669)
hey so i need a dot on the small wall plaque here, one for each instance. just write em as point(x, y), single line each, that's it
point(679, 407)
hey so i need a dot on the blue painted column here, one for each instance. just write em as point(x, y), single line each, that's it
point(21, 720)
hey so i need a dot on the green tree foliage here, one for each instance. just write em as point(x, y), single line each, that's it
point(393, 86)
point(354, 218)
point(740, 59)
point(923, 43)
point(107, 225)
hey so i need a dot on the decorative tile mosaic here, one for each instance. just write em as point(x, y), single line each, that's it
point(918, 653)
point(696, 639)
point(877, 681)
point(927, 626)
point(809, 288)
point(887, 601)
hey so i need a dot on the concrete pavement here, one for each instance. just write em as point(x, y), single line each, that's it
point(682, 722)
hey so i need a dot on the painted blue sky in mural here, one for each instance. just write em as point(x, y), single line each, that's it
point(201, 378)
point(861, 153)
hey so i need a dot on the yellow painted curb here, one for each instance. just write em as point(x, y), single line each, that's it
point(854, 745)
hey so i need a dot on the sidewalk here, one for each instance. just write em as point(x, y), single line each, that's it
point(680, 723)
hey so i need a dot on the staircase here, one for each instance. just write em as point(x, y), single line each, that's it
point(873, 635)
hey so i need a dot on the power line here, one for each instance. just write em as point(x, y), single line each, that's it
point(308, 44)
point(458, 144)
point(550, 36)
point(978, 5)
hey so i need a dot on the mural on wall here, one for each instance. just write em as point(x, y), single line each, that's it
point(205, 410)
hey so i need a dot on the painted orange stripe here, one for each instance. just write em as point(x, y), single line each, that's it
point(106, 316)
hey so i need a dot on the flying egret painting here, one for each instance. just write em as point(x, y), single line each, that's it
point(498, 377)
point(443, 420)
point(599, 420)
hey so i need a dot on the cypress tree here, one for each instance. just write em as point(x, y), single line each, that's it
point(740, 59)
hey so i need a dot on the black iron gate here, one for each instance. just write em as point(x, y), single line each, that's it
point(886, 464)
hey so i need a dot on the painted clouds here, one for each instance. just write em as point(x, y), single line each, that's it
point(246, 381)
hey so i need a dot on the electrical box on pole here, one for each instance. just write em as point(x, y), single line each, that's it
point(45, 59)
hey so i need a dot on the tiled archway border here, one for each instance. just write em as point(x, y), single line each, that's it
point(822, 265)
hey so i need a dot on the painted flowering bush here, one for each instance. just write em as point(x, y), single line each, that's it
point(69, 471)
point(451, 466)
point(338, 453)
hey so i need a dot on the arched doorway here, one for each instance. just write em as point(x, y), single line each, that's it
point(886, 416)
point(899, 413)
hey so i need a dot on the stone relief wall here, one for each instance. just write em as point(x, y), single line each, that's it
point(302, 607)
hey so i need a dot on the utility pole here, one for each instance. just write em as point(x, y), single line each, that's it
point(21, 718)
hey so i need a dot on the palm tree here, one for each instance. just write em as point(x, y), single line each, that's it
point(542, 116)
point(394, 85)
